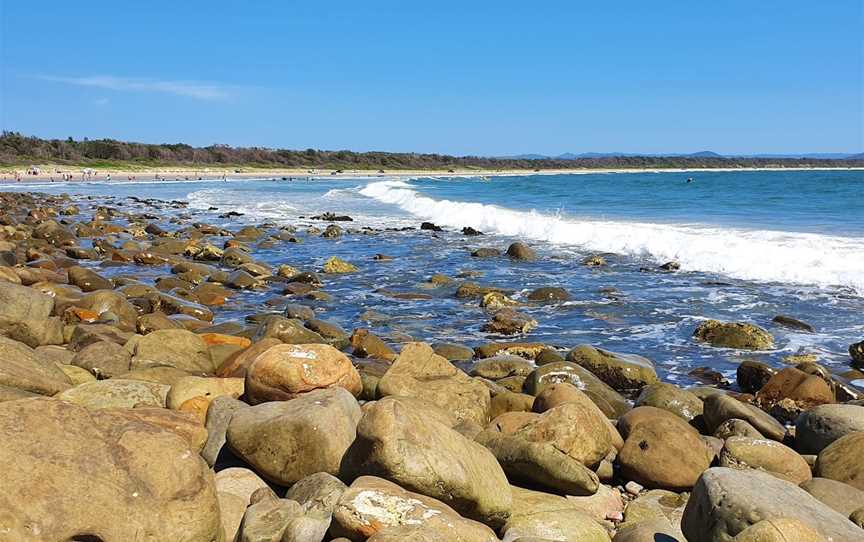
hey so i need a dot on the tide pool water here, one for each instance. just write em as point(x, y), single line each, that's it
point(751, 245)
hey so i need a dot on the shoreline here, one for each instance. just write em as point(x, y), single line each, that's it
point(20, 176)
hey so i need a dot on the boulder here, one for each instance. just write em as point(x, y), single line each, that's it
point(365, 344)
point(286, 441)
point(817, 428)
point(736, 428)
point(419, 372)
point(237, 364)
point(724, 502)
point(268, 519)
point(609, 401)
point(196, 386)
point(337, 265)
point(779, 530)
point(656, 505)
point(287, 371)
point(804, 389)
point(539, 463)
point(549, 294)
point(843, 460)
point(219, 414)
point(577, 429)
point(177, 348)
point(521, 251)
point(507, 401)
point(374, 507)
point(22, 370)
point(289, 331)
point(116, 393)
point(652, 530)
point(104, 302)
point(104, 359)
point(662, 452)
point(498, 367)
point(319, 492)
point(856, 352)
point(739, 335)
point(425, 456)
point(620, 371)
point(563, 526)
point(752, 375)
point(147, 483)
point(680, 402)
point(765, 455)
point(87, 279)
point(720, 407)
point(843, 498)
point(507, 321)
point(558, 394)
point(18, 303)
point(240, 482)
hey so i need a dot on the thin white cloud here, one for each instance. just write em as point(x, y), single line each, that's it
point(189, 89)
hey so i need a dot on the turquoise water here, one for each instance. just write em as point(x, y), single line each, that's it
point(751, 245)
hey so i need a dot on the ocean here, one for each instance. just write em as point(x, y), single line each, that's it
point(751, 245)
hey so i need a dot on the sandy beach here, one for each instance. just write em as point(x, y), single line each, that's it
point(79, 173)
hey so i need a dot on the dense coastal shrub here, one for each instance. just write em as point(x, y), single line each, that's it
point(17, 149)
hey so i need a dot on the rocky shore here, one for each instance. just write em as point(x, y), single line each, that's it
point(161, 381)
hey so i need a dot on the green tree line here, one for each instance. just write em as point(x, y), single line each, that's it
point(17, 149)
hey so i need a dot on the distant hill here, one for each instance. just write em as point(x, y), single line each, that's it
point(701, 154)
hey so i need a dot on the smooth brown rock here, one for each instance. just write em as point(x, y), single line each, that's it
point(672, 398)
point(286, 441)
point(620, 371)
point(374, 507)
point(719, 408)
point(843, 460)
point(367, 345)
point(607, 399)
point(21, 369)
point(177, 348)
point(427, 457)
point(765, 455)
point(419, 372)
point(287, 371)
point(658, 454)
point(55, 493)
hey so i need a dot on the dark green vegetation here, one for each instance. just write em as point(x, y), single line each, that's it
point(16, 149)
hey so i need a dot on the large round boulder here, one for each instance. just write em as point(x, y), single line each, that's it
point(287, 371)
point(664, 452)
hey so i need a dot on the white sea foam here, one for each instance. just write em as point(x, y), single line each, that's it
point(761, 255)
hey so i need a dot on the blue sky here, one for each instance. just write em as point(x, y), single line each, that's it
point(468, 77)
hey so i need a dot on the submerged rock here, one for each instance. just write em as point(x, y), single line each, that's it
point(739, 335)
